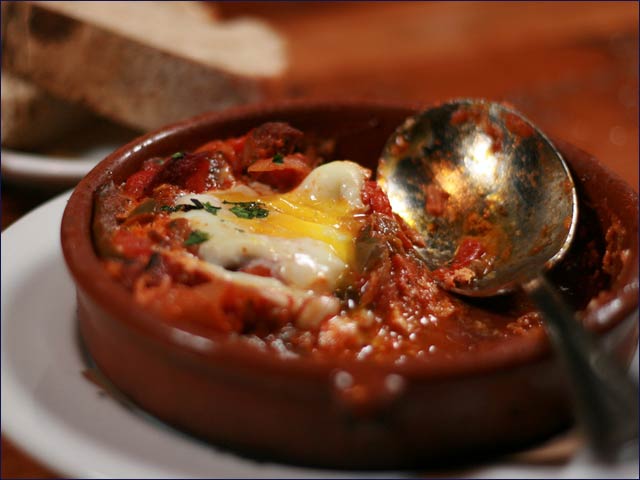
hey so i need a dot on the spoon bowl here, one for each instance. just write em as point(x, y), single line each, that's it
point(478, 171)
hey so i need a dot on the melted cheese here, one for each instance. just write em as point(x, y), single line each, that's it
point(308, 236)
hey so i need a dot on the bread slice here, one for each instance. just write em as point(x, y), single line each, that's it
point(140, 63)
point(32, 118)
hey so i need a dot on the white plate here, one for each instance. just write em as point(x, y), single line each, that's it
point(70, 158)
point(52, 411)
point(35, 169)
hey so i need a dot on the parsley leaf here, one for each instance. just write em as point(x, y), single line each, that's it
point(196, 205)
point(196, 237)
point(248, 210)
point(177, 155)
point(278, 158)
point(212, 209)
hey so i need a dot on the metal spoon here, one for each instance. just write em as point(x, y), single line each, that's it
point(497, 207)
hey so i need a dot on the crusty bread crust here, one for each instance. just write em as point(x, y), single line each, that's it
point(122, 78)
point(32, 118)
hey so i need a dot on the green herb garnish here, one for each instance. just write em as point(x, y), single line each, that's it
point(278, 158)
point(178, 208)
point(169, 208)
point(248, 210)
point(196, 205)
point(196, 237)
point(212, 209)
point(177, 155)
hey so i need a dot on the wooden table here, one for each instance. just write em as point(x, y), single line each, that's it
point(571, 67)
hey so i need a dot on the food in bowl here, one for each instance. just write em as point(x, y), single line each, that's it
point(263, 396)
point(260, 235)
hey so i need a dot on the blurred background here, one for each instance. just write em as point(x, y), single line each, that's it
point(571, 67)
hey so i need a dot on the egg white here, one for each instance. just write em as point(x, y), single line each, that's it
point(308, 236)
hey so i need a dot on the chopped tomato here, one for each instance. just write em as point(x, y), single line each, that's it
point(258, 267)
point(373, 196)
point(270, 139)
point(197, 172)
point(217, 304)
point(132, 244)
point(198, 180)
point(282, 173)
point(191, 169)
point(211, 146)
point(237, 144)
point(232, 150)
point(138, 184)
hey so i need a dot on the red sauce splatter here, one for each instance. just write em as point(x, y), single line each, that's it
point(516, 125)
point(495, 133)
point(470, 249)
point(460, 116)
point(435, 199)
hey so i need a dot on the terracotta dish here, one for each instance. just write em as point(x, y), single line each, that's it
point(346, 412)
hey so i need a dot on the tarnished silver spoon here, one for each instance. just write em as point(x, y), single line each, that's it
point(497, 207)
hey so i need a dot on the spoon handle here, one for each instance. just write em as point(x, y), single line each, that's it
point(606, 398)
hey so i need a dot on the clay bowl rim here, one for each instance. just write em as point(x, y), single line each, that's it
point(91, 278)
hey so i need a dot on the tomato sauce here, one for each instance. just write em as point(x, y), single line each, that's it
point(392, 305)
